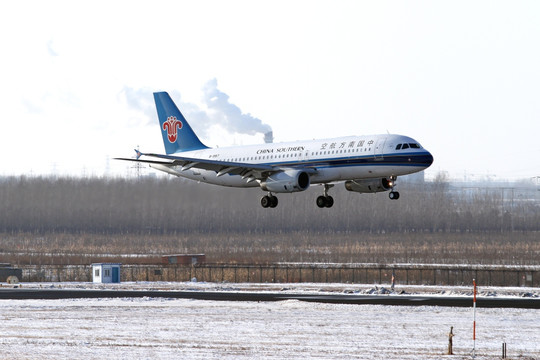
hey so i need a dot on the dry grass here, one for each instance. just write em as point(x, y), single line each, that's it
point(441, 248)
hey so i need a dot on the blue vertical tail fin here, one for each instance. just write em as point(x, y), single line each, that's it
point(177, 134)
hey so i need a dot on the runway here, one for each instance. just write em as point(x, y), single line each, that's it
point(399, 300)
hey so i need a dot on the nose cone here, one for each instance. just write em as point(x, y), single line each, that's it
point(428, 160)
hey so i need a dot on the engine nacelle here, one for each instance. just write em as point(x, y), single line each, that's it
point(286, 182)
point(369, 185)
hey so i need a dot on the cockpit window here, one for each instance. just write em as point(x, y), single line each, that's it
point(407, 146)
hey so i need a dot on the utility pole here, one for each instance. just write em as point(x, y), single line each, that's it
point(138, 166)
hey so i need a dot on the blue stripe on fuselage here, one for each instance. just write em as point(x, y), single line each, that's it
point(407, 159)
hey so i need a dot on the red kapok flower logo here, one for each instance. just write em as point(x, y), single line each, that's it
point(171, 126)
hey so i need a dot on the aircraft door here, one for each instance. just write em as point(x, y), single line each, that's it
point(378, 149)
point(303, 155)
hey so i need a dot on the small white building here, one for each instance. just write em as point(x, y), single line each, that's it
point(106, 273)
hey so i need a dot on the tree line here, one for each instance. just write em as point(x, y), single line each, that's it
point(152, 205)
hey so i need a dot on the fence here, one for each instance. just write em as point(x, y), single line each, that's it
point(405, 274)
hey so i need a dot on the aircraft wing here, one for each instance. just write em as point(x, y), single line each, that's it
point(246, 170)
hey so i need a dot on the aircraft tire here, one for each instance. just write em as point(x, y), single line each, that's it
point(321, 201)
point(394, 195)
point(273, 201)
point(265, 201)
point(329, 201)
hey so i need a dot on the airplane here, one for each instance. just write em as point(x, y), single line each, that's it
point(366, 164)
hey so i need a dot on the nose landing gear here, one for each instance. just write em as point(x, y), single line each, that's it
point(393, 195)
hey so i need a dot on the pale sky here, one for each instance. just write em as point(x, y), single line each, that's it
point(461, 77)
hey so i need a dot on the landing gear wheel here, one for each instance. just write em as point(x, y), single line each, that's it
point(325, 201)
point(269, 201)
point(265, 201)
point(329, 201)
point(394, 195)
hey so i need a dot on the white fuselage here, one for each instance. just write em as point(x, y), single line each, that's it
point(338, 159)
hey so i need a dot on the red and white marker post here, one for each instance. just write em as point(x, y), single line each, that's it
point(474, 319)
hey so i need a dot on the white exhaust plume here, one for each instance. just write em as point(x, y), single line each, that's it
point(230, 115)
point(220, 111)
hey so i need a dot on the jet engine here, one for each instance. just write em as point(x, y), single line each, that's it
point(369, 185)
point(286, 181)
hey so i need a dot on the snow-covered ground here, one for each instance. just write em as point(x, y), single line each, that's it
point(300, 288)
point(147, 328)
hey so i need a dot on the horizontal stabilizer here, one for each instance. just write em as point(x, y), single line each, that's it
point(147, 161)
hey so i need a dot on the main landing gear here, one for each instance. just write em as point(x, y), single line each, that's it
point(325, 200)
point(269, 201)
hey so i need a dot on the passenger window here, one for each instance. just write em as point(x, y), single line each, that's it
point(405, 146)
point(398, 146)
